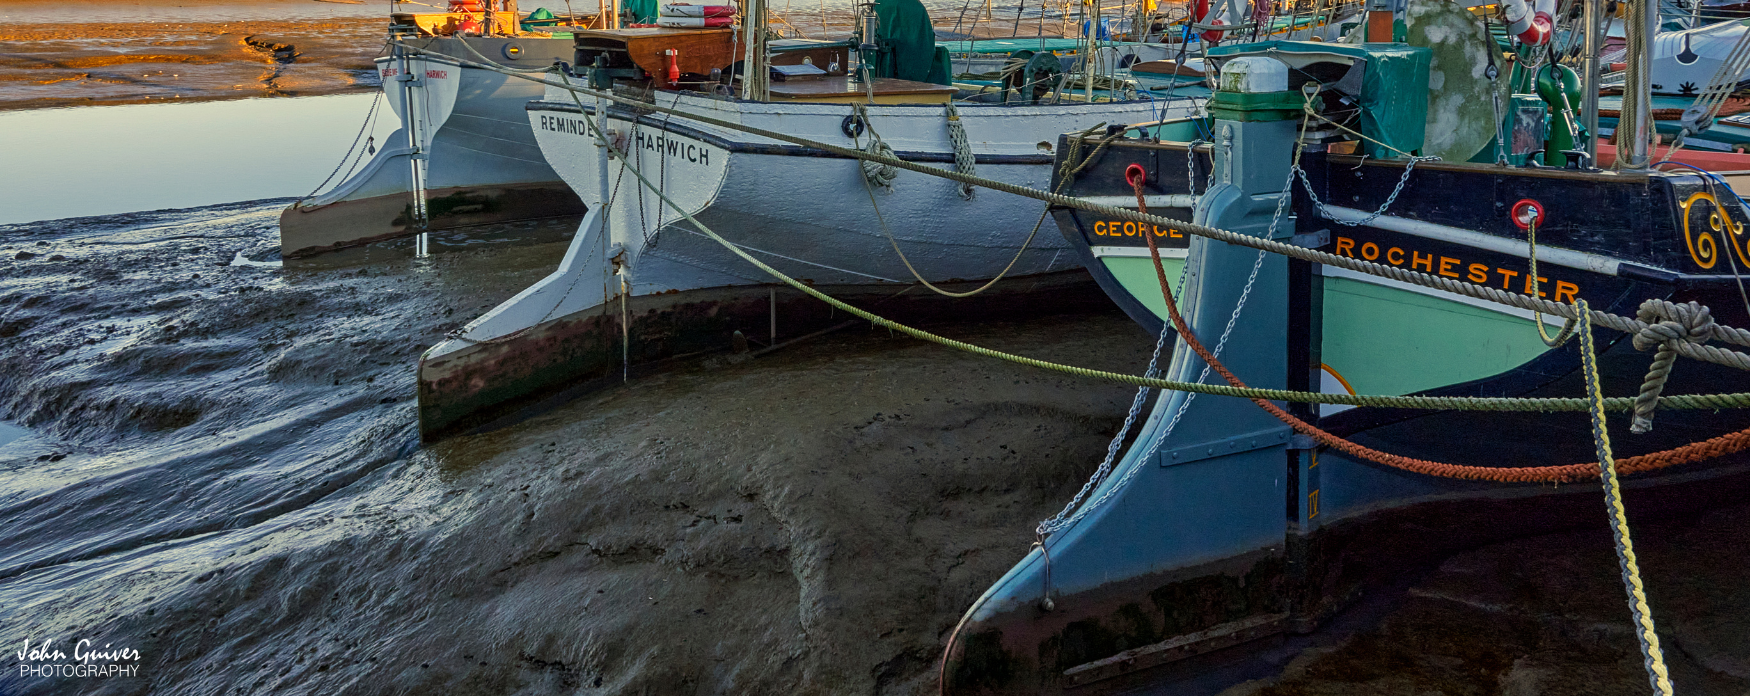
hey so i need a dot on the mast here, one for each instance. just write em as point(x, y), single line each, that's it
point(1634, 130)
point(1589, 104)
point(1089, 58)
point(756, 70)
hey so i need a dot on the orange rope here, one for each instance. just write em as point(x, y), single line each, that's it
point(1692, 452)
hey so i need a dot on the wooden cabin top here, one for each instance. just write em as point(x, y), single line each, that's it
point(697, 51)
point(843, 89)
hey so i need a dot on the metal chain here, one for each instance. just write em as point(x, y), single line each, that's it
point(1058, 523)
point(1191, 167)
point(1326, 212)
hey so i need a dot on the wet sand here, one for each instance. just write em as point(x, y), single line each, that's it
point(97, 63)
point(106, 52)
point(1548, 616)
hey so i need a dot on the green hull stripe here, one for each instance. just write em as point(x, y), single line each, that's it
point(1389, 341)
point(1385, 340)
point(1137, 275)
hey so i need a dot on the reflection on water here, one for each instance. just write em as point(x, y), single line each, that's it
point(10, 433)
point(115, 159)
point(55, 11)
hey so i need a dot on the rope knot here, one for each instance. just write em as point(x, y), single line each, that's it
point(1668, 325)
point(1669, 321)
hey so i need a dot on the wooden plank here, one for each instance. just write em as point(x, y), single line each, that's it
point(845, 87)
point(1178, 648)
point(699, 51)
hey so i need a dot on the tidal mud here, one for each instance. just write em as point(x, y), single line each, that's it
point(134, 62)
point(1548, 616)
point(222, 473)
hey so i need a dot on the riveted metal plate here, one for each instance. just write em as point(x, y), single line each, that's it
point(1226, 446)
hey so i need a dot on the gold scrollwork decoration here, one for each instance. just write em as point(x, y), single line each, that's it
point(1713, 222)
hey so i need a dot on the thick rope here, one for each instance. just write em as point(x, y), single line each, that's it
point(1689, 453)
point(1629, 325)
point(1668, 325)
point(1625, 546)
point(1567, 331)
point(964, 162)
point(875, 172)
point(1734, 442)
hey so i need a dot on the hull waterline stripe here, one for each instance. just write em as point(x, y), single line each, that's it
point(1106, 252)
point(1168, 200)
point(1513, 247)
point(688, 131)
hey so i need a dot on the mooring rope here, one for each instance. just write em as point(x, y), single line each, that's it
point(1696, 351)
point(1567, 331)
point(1025, 244)
point(1697, 451)
point(1692, 452)
point(1689, 453)
point(1653, 657)
point(370, 117)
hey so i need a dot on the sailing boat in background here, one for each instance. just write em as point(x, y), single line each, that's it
point(463, 154)
point(639, 285)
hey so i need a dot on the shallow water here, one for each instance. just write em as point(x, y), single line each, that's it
point(45, 11)
point(118, 159)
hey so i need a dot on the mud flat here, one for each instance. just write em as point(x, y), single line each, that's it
point(223, 475)
point(132, 62)
point(1547, 616)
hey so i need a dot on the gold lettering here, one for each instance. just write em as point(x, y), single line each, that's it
point(1426, 263)
point(1399, 261)
point(1478, 273)
point(1174, 231)
point(1346, 247)
point(1540, 285)
point(1446, 264)
point(1565, 288)
point(1507, 279)
point(1100, 228)
point(1370, 251)
point(1130, 229)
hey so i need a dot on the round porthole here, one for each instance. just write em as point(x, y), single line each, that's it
point(513, 51)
